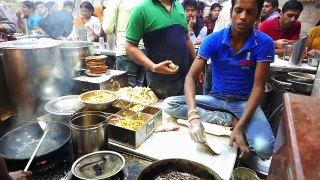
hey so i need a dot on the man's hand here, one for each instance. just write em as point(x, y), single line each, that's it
point(237, 137)
point(282, 43)
point(192, 22)
point(18, 14)
point(196, 131)
point(20, 175)
point(163, 68)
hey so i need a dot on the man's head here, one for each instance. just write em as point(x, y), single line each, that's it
point(28, 7)
point(244, 13)
point(215, 10)
point(190, 7)
point(269, 7)
point(68, 6)
point(200, 8)
point(52, 7)
point(41, 8)
point(290, 13)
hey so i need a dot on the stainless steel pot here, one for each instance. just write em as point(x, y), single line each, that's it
point(89, 132)
point(98, 165)
point(34, 73)
point(73, 54)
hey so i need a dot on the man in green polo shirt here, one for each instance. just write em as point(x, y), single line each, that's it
point(163, 27)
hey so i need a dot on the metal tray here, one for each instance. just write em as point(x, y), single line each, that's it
point(133, 139)
point(64, 105)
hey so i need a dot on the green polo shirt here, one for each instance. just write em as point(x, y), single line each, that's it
point(163, 33)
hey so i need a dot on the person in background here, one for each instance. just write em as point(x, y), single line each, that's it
point(17, 175)
point(6, 24)
point(87, 27)
point(240, 57)
point(211, 19)
point(269, 10)
point(61, 22)
point(68, 6)
point(224, 19)
point(313, 42)
point(200, 9)
point(42, 10)
point(166, 40)
point(28, 11)
point(286, 28)
point(197, 29)
point(52, 6)
point(115, 20)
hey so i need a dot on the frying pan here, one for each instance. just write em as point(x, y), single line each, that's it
point(16, 146)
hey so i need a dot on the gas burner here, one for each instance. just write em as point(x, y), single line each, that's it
point(121, 175)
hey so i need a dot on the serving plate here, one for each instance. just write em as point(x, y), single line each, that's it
point(64, 105)
point(87, 72)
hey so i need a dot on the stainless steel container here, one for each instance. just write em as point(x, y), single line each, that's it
point(89, 132)
point(74, 53)
point(34, 73)
point(297, 52)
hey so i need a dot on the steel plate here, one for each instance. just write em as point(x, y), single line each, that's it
point(65, 105)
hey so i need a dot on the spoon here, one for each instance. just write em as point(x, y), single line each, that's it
point(45, 129)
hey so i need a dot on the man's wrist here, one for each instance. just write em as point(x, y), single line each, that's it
point(191, 33)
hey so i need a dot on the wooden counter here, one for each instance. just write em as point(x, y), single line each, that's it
point(297, 148)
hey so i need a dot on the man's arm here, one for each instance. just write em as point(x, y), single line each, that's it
point(202, 35)
point(196, 129)
point(135, 53)
point(109, 18)
point(6, 25)
point(252, 104)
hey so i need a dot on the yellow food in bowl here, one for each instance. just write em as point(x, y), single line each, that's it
point(98, 97)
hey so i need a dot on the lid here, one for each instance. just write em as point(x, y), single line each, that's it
point(30, 43)
point(98, 165)
point(64, 105)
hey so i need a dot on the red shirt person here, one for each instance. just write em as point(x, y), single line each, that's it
point(286, 28)
point(211, 19)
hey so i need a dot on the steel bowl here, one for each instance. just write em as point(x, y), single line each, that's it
point(281, 81)
point(88, 98)
point(302, 75)
point(302, 87)
point(98, 165)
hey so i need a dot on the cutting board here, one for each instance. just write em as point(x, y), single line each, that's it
point(213, 129)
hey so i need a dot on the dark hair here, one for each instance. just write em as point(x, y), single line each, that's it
point(274, 3)
point(213, 6)
point(37, 3)
point(259, 4)
point(200, 6)
point(29, 5)
point(50, 4)
point(318, 23)
point(292, 5)
point(192, 3)
point(87, 5)
point(68, 3)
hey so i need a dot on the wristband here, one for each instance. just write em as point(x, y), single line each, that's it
point(193, 118)
point(192, 111)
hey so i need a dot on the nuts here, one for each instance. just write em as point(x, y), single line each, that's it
point(173, 66)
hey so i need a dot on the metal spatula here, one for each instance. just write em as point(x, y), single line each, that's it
point(44, 127)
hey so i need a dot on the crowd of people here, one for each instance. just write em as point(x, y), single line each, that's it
point(237, 41)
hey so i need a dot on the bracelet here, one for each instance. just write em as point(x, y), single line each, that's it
point(192, 111)
point(153, 67)
point(193, 118)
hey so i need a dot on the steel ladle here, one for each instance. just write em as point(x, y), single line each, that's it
point(45, 129)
